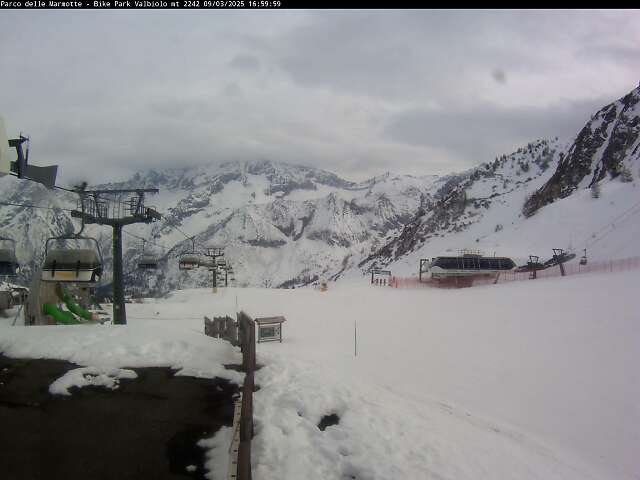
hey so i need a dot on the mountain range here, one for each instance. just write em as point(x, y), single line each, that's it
point(285, 225)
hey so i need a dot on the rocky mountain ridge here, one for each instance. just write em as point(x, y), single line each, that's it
point(609, 144)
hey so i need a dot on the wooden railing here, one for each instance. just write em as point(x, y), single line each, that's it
point(247, 334)
point(242, 333)
point(222, 327)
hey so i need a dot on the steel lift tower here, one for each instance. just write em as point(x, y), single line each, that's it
point(116, 208)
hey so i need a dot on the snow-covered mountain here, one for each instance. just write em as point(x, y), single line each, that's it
point(283, 224)
point(584, 194)
point(473, 197)
point(280, 224)
point(608, 145)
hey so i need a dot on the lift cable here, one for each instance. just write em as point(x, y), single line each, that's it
point(145, 240)
point(167, 215)
point(80, 192)
point(616, 219)
point(34, 206)
point(612, 225)
point(24, 205)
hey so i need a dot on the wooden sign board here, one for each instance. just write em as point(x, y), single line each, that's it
point(270, 329)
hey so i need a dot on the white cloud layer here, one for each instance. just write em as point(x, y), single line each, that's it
point(104, 94)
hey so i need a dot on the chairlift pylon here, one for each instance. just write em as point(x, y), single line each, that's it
point(8, 262)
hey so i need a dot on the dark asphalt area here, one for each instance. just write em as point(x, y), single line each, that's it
point(146, 429)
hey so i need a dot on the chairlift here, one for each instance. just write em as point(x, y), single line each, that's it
point(191, 260)
point(65, 263)
point(8, 261)
point(147, 261)
point(583, 260)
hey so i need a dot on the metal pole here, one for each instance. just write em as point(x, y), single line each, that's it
point(355, 338)
point(119, 312)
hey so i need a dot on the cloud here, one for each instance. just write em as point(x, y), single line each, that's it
point(487, 130)
point(355, 92)
point(245, 62)
point(628, 55)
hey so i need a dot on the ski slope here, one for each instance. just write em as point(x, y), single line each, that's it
point(607, 227)
point(518, 381)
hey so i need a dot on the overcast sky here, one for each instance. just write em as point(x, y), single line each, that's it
point(106, 93)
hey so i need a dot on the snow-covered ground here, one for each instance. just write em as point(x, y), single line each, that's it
point(144, 342)
point(515, 381)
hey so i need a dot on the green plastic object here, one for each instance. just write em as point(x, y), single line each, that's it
point(65, 318)
point(74, 307)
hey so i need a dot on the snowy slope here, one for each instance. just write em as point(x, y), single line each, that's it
point(530, 380)
point(506, 382)
point(607, 227)
point(472, 205)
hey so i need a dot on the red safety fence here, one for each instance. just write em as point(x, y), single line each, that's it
point(571, 268)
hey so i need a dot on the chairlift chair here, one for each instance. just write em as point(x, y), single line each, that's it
point(147, 261)
point(72, 264)
point(8, 260)
point(189, 261)
point(583, 260)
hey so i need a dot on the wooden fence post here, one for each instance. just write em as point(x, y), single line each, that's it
point(241, 332)
point(246, 328)
point(233, 331)
point(208, 326)
point(246, 415)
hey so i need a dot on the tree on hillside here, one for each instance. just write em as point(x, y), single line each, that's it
point(625, 174)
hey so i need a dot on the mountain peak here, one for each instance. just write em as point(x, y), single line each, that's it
point(606, 146)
